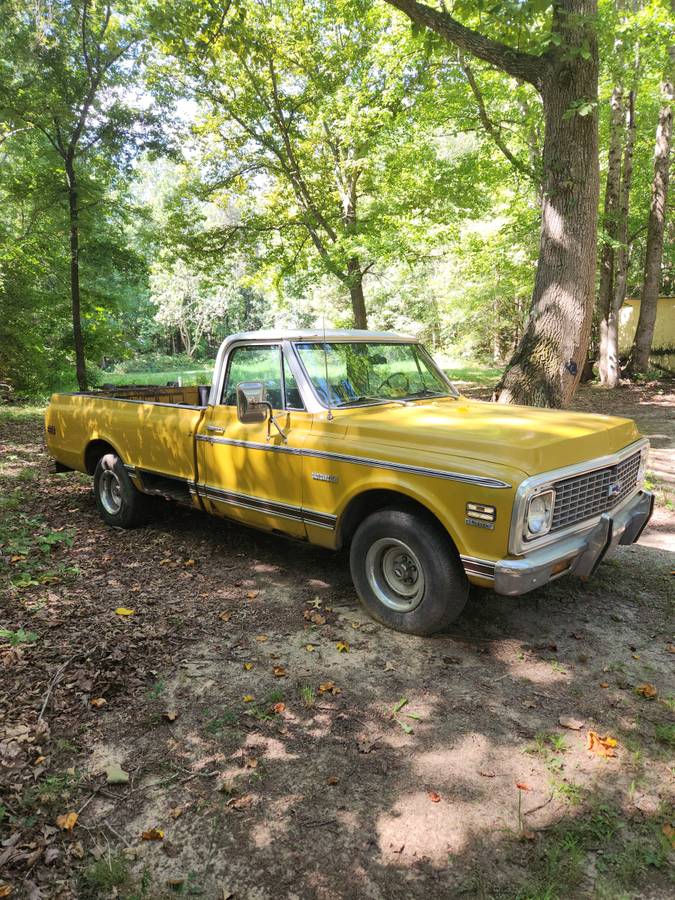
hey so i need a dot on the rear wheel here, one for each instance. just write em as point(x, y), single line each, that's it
point(118, 501)
point(407, 572)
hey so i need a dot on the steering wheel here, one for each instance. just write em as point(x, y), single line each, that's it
point(389, 381)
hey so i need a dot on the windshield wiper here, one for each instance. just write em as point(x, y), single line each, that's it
point(366, 399)
point(426, 393)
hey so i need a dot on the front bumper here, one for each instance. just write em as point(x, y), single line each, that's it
point(579, 554)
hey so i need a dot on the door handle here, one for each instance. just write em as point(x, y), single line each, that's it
point(215, 429)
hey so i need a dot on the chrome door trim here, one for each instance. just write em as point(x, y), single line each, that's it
point(483, 481)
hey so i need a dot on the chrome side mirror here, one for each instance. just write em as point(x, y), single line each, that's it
point(251, 404)
point(253, 407)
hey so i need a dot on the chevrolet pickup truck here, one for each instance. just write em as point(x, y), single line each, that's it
point(357, 439)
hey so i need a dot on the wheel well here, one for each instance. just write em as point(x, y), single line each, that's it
point(95, 450)
point(368, 502)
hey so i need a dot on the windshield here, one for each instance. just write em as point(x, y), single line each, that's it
point(360, 372)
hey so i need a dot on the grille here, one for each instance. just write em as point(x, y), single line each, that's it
point(585, 496)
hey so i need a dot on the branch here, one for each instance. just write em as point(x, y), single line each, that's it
point(493, 130)
point(514, 62)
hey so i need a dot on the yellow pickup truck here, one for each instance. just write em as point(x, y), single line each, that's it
point(356, 438)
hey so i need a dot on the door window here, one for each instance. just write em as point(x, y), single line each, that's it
point(255, 363)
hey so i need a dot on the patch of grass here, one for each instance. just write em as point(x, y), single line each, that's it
point(665, 733)
point(622, 852)
point(307, 695)
point(20, 636)
point(571, 793)
point(225, 720)
point(157, 689)
point(52, 791)
point(263, 710)
point(101, 878)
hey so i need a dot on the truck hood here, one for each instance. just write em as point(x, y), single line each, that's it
point(528, 438)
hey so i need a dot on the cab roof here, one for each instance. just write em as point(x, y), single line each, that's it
point(318, 334)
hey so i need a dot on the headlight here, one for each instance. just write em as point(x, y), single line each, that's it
point(642, 471)
point(539, 515)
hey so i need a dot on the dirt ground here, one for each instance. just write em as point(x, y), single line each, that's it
point(275, 742)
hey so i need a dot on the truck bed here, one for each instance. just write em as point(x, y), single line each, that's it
point(192, 395)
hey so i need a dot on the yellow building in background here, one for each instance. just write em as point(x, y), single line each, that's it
point(664, 329)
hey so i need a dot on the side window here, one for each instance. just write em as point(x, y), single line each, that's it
point(293, 395)
point(254, 363)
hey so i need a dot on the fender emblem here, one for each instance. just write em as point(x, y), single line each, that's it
point(322, 476)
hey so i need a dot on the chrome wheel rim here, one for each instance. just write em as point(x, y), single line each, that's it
point(395, 574)
point(110, 492)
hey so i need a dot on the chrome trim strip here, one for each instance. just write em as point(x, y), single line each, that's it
point(518, 547)
point(258, 504)
point(482, 567)
point(361, 461)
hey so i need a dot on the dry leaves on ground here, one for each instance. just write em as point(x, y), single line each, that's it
point(602, 746)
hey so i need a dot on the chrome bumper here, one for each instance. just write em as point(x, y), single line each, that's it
point(584, 551)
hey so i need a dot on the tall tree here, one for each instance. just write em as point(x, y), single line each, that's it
point(546, 367)
point(642, 344)
point(71, 61)
point(305, 131)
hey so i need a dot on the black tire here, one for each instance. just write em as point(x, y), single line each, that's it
point(118, 501)
point(407, 572)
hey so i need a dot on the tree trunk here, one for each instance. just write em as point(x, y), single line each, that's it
point(73, 213)
point(612, 194)
point(642, 344)
point(622, 257)
point(547, 365)
point(356, 293)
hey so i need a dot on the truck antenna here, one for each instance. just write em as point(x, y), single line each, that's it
point(325, 364)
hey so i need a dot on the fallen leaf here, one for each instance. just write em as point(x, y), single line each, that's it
point(647, 690)
point(278, 708)
point(648, 804)
point(98, 702)
point(171, 715)
point(115, 774)
point(248, 698)
point(356, 625)
point(670, 648)
point(251, 595)
point(6, 890)
point(225, 615)
point(279, 672)
point(332, 779)
point(123, 611)
point(261, 638)
point(247, 666)
point(67, 821)
point(189, 562)
point(635, 655)
point(250, 762)
point(526, 835)
point(328, 687)
point(310, 648)
point(241, 802)
point(176, 812)
point(76, 850)
point(153, 834)
point(603, 746)
point(604, 684)
point(486, 774)
point(315, 617)
point(342, 647)
point(434, 797)
point(522, 786)
point(316, 603)
point(572, 724)
point(389, 666)
point(669, 832)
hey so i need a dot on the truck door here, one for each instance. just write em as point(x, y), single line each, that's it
point(245, 474)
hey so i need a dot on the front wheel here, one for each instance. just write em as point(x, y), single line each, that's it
point(118, 501)
point(406, 572)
